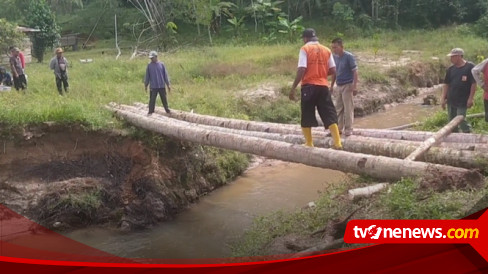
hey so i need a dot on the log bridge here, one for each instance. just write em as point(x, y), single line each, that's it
point(442, 157)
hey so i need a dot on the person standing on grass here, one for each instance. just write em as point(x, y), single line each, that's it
point(459, 88)
point(59, 64)
point(21, 56)
point(20, 82)
point(157, 78)
point(346, 79)
point(482, 68)
point(5, 78)
point(315, 63)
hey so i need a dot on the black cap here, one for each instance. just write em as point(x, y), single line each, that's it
point(309, 33)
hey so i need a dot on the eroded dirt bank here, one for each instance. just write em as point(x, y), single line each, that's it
point(66, 177)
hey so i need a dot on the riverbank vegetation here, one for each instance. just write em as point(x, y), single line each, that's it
point(405, 199)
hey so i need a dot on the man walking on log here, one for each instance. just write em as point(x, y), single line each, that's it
point(315, 63)
point(459, 88)
point(157, 78)
point(346, 79)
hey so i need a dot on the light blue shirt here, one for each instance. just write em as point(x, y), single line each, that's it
point(345, 66)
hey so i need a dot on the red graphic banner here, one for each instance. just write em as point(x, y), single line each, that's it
point(28, 247)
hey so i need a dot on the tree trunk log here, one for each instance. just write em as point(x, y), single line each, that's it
point(477, 147)
point(436, 138)
point(401, 149)
point(466, 158)
point(375, 166)
point(418, 136)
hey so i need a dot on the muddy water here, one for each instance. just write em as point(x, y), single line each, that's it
point(205, 229)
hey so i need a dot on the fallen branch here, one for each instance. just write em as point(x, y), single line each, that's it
point(366, 191)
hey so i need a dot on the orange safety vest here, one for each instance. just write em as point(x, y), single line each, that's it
point(317, 65)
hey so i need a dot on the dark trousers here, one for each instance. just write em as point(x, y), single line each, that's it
point(486, 110)
point(62, 81)
point(152, 99)
point(317, 97)
point(452, 112)
point(20, 82)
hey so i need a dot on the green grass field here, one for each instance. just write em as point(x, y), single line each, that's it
point(205, 79)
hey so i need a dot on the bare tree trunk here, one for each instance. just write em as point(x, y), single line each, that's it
point(475, 147)
point(375, 166)
point(440, 155)
point(209, 35)
point(454, 154)
point(436, 138)
point(418, 136)
point(229, 123)
point(116, 39)
point(421, 135)
point(195, 11)
point(255, 18)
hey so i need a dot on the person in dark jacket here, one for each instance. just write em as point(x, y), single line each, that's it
point(157, 78)
point(5, 77)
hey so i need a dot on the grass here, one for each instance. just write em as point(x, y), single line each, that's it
point(205, 80)
point(404, 200)
point(438, 120)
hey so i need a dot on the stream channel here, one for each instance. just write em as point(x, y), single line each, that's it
point(206, 229)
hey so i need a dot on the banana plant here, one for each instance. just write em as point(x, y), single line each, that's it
point(290, 29)
point(237, 25)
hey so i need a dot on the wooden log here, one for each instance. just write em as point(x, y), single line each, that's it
point(436, 138)
point(375, 166)
point(396, 148)
point(229, 122)
point(477, 147)
point(401, 149)
point(366, 191)
point(418, 136)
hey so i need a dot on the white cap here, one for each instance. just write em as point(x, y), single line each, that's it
point(153, 54)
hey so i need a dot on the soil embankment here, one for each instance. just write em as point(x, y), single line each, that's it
point(66, 177)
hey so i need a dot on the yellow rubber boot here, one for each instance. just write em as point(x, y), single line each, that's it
point(336, 136)
point(307, 133)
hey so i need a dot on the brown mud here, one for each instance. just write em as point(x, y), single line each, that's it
point(65, 177)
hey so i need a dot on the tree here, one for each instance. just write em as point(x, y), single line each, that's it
point(65, 6)
point(40, 16)
point(10, 35)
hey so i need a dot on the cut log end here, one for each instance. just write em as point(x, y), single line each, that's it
point(442, 181)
